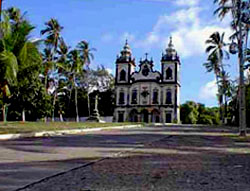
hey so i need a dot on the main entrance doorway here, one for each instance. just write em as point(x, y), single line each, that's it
point(144, 116)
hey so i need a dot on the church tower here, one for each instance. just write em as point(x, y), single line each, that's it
point(125, 66)
point(170, 68)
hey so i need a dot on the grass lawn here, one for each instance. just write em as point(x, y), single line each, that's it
point(29, 127)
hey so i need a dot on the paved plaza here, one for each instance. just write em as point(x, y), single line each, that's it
point(151, 158)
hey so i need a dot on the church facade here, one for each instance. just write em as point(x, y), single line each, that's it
point(147, 95)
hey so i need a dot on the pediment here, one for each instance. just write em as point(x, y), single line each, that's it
point(146, 72)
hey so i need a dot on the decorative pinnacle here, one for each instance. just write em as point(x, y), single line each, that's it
point(146, 55)
point(170, 44)
point(126, 42)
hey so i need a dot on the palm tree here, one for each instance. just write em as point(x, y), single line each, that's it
point(86, 52)
point(87, 56)
point(17, 51)
point(241, 29)
point(76, 71)
point(212, 65)
point(52, 30)
point(216, 53)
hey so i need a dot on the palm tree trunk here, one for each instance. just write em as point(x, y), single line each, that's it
point(76, 104)
point(225, 110)
point(4, 114)
point(219, 99)
point(54, 104)
point(23, 115)
point(61, 117)
point(46, 83)
point(88, 103)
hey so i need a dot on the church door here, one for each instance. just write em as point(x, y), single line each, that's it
point(168, 118)
point(145, 116)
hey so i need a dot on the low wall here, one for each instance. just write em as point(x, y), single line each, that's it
point(107, 119)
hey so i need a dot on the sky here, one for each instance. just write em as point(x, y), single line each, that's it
point(147, 24)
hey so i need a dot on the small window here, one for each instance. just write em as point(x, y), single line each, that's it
point(121, 98)
point(123, 75)
point(169, 74)
point(134, 97)
point(169, 97)
point(155, 96)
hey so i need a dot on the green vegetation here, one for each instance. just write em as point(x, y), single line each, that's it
point(233, 100)
point(196, 113)
point(46, 78)
point(30, 127)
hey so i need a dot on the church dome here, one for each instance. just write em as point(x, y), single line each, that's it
point(170, 53)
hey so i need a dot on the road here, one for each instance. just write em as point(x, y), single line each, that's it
point(151, 158)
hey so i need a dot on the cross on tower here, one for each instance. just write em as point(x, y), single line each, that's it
point(146, 55)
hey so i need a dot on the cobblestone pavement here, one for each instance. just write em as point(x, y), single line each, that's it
point(183, 160)
point(28, 160)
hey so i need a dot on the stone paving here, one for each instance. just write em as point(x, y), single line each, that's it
point(174, 160)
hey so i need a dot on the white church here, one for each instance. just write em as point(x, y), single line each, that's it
point(147, 95)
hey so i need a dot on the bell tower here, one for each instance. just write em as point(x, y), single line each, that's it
point(125, 65)
point(170, 68)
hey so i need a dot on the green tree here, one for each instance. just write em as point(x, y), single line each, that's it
point(53, 35)
point(241, 30)
point(86, 55)
point(76, 71)
point(216, 53)
point(189, 112)
point(18, 53)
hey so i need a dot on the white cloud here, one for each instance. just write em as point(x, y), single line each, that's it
point(208, 91)
point(187, 29)
point(187, 2)
point(151, 40)
point(191, 41)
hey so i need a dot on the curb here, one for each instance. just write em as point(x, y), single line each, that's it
point(61, 132)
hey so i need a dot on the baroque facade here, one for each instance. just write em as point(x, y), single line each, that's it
point(147, 95)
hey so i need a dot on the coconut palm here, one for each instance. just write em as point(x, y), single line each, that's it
point(17, 52)
point(216, 53)
point(87, 56)
point(76, 69)
point(241, 28)
point(212, 65)
point(52, 30)
point(86, 52)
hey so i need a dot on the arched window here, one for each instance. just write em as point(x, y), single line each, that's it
point(155, 96)
point(123, 75)
point(169, 97)
point(169, 74)
point(134, 97)
point(121, 98)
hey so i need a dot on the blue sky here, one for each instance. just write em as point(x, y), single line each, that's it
point(147, 24)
